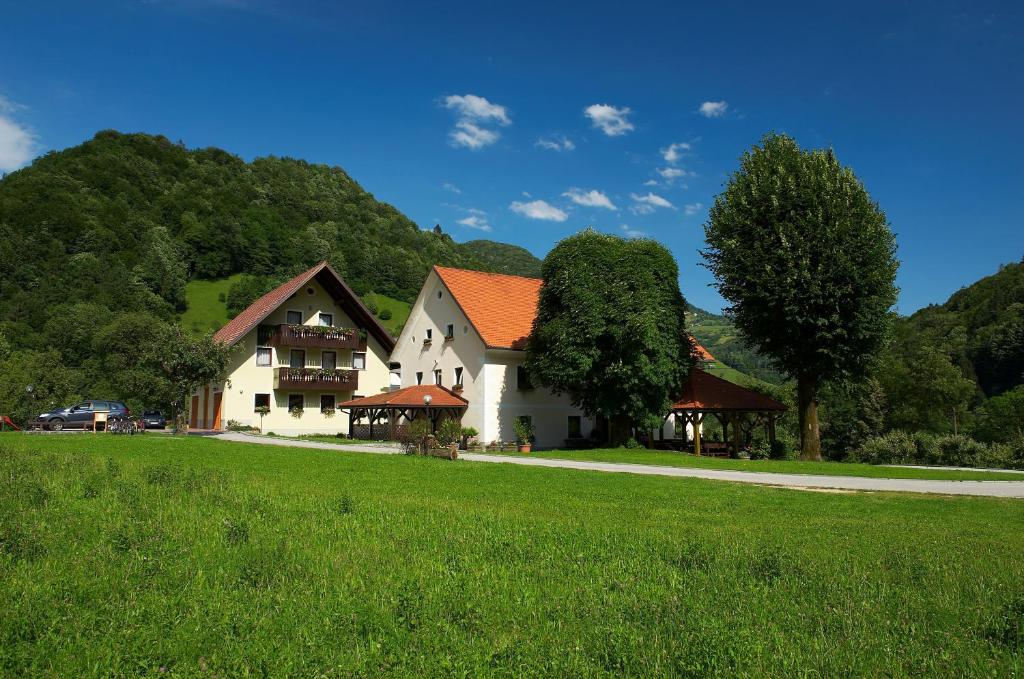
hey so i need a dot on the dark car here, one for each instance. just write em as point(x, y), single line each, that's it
point(79, 416)
point(154, 419)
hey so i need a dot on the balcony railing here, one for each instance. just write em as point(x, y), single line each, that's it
point(316, 378)
point(328, 337)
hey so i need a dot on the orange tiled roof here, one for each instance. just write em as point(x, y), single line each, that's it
point(410, 397)
point(702, 353)
point(237, 327)
point(707, 392)
point(502, 307)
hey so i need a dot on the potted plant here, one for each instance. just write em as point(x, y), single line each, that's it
point(296, 412)
point(262, 412)
point(468, 434)
point(524, 434)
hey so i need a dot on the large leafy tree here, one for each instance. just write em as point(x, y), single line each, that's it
point(610, 329)
point(807, 261)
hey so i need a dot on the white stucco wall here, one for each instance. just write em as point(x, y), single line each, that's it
point(246, 379)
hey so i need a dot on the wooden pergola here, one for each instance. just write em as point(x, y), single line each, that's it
point(429, 400)
point(734, 407)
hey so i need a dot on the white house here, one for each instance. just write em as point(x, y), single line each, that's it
point(301, 349)
point(467, 331)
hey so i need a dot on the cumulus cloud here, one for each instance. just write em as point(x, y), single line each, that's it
point(592, 198)
point(673, 152)
point(651, 182)
point(468, 134)
point(448, 186)
point(472, 107)
point(539, 209)
point(17, 143)
point(693, 208)
point(646, 204)
point(611, 120)
point(670, 173)
point(475, 222)
point(713, 109)
point(474, 113)
point(630, 232)
point(556, 143)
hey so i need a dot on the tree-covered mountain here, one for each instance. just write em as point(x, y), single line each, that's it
point(717, 334)
point(504, 258)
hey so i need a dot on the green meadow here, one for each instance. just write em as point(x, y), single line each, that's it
point(185, 556)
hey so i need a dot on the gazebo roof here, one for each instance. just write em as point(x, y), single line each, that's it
point(713, 394)
point(410, 397)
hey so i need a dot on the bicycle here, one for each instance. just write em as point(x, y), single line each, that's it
point(121, 425)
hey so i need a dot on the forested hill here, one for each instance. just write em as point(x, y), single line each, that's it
point(717, 334)
point(123, 221)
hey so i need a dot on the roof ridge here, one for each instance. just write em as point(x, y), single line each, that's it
point(487, 273)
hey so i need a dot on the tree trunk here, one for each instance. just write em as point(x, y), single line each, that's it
point(807, 396)
point(619, 427)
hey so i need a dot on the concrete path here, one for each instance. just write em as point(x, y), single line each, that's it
point(1008, 489)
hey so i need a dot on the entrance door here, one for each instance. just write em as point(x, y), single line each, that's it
point(217, 398)
point(206, 406)
point(194, 419)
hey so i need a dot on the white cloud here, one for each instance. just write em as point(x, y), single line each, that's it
point(671, 153)
point(592, 198)
point(647, 204)
point(609, 119)
point(474, 112)
point(17, 143)
point(630, 232)
point(475, 222)
point(670, 173)
point(556, 143)
point(539, 209)
point(651, 182)
point(713, 109)
point(448, 186)
point(472, 107)
point(693, 208)
point(471, 136)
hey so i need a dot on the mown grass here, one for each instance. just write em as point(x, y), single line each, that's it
point(194, 557)
point(206, 312)
point(675, 459)
point(399, 311)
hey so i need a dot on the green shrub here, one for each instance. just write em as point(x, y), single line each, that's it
point(761, 450)
point(448, 432)
point(384, 315)
point(951, 450)
point(895, 447)
point(781, 451)
point(632, 443)
point(371, 306)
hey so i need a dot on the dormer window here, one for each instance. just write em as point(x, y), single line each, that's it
point(449, 332)
point(429, 337)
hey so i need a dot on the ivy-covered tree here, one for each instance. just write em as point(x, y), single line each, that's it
point(807, 261)
point(610, 329)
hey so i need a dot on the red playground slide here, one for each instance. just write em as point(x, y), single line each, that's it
point(6, 424)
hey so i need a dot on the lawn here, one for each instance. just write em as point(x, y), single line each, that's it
point(674, 459)
point(185, 556)
point(206, 312)
point(399, 311)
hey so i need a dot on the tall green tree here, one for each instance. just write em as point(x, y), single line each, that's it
point(610, 329)
point(807, 261)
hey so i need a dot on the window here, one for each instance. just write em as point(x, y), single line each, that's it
point(359, 360)
point(449, 331)
point(295, 402)
point(326, 402)
point(430, 334)
point(261, 401)
point(263, 335)
point(458, 376)
point(264, 355)
point(297, 358)
point(294, 318)
point(437, 378)
point(329, 360)
point(522, 378)
point(419, 378)
point(575, 427)
point(326, 320)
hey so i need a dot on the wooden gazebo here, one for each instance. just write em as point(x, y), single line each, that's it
point(428, 400)
point(734, 407)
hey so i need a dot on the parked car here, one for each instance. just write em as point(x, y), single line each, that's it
point(154, 419)
point(78, 416)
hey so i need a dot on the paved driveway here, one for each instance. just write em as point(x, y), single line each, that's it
point(1010, 489)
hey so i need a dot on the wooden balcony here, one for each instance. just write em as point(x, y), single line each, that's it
point(316, 378)
point(317, 336)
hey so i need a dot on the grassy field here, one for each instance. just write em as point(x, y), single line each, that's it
point(673, 459)
point(399, 311)
point(206, 312)
point(184, 556)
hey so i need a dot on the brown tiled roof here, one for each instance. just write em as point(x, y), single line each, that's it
point(707, 392)
point(237, 327)
point(502, 307)
point(410, 397)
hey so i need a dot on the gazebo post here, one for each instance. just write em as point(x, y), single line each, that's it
point(696, 434)
point(771, 429)
point(737, 433)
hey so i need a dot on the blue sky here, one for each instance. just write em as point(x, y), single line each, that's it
point(526, 122)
